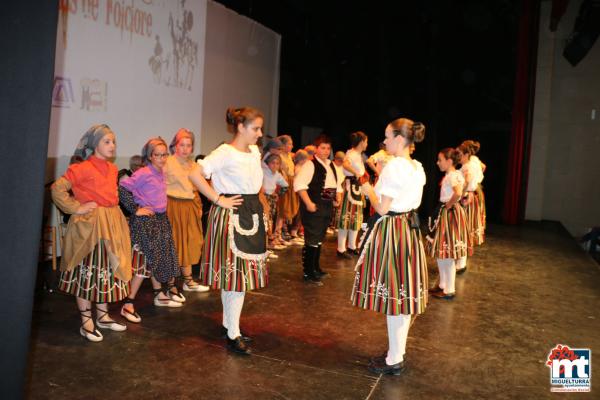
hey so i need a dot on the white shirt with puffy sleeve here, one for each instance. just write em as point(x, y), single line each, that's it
point(402, 180)
point(450, 181)
point(232, 171)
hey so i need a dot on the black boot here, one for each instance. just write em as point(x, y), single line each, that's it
point(308, 264)
point(318, 271)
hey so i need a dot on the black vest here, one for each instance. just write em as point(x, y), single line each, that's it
point(317, 182)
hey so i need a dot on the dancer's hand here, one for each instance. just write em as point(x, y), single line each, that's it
point(86, 208)
point(230, 202)
point(311, 207)
point(144, 212)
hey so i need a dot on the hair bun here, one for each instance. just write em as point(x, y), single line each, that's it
point(418, 130)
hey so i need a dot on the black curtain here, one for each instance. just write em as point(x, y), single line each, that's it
point(27, 44)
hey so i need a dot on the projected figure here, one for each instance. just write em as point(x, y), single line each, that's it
point(185, 50)
point(156, 61)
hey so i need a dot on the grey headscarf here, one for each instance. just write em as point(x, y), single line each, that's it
point(181, 133)
point(89, 141)
point(149, 148)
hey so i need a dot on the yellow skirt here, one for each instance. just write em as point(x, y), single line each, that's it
point(289, 203)
point(185, 217)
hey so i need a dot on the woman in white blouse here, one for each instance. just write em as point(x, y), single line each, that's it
point(391, 273)
point(235, 253)
point(448, 233)
point(473, 199)
point(351, 209)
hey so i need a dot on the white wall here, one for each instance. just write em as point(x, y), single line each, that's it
point(242, 69)
point(212, 58)
point(564, 176)
point(143, 65)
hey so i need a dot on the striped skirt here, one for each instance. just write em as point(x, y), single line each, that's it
point(351, 209)
point(185, 217)
point(476, 218)
point(391, 273)
point(138, 263)
point(93, 279)
point(223, 266)
point(451, 234)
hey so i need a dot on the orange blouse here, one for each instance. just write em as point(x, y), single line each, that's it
point(94, 180)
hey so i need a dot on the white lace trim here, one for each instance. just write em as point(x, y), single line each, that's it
point(234, 249)
point(235, 218)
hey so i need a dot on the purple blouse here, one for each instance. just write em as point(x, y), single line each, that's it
point(149, 188)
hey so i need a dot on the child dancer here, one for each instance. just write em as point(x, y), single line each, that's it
point(184, 208)
point(272, 181)
point(96, 258)
point(351, 213)
point(391, 275)
point(449, 230)
point(287, 207)
point(317, 186)
point(144, 195)
point(234, 258)
point(473, 199)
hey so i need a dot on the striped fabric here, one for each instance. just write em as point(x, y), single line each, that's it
point(220, 268)
point(138, 263)
point(476, 218)
point(93, 279)
point(391, 273)
point(451, 236)
point(350, 214)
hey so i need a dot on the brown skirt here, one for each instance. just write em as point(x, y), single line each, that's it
point(289, 203)
point(185, 217)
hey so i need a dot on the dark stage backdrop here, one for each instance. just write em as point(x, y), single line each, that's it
point(348, 66)
point(27, 38)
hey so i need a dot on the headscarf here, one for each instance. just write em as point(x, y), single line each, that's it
point(89, 141)
point(181, 133)
point(149, 148)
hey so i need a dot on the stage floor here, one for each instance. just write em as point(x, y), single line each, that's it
point(526, 290)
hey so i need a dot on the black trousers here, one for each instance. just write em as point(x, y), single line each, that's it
point(316, 224)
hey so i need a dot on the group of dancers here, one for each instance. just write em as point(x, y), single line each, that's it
point(105, 257)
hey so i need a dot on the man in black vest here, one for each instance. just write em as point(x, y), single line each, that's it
point(319, 189)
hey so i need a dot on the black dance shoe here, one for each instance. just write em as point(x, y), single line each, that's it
point(244, 337)
point(443, 296)
point(321, 274)
point(313, 279)
point(435, 289)
point(345, 255)
point(380, 367)
point(461, 271)
point(355, 252)
point(237, 345)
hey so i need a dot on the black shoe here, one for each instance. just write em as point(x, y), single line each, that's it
point(382, 368)
point(237, 345)
point(321, 274)
point(244, 337)
point(355, 252)
point(461, 271)
point(314, 280)
point(345, 255)
point(436, 289)
point(443, 296)
point(380, 359)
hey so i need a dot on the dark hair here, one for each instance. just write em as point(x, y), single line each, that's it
point(413, 132)
point(273, 144)
point(285, 139)
point(244, 116)
point(272, 157)
point(452, 154)
point(356, 138)
point(470, 147)
point(322, 138)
